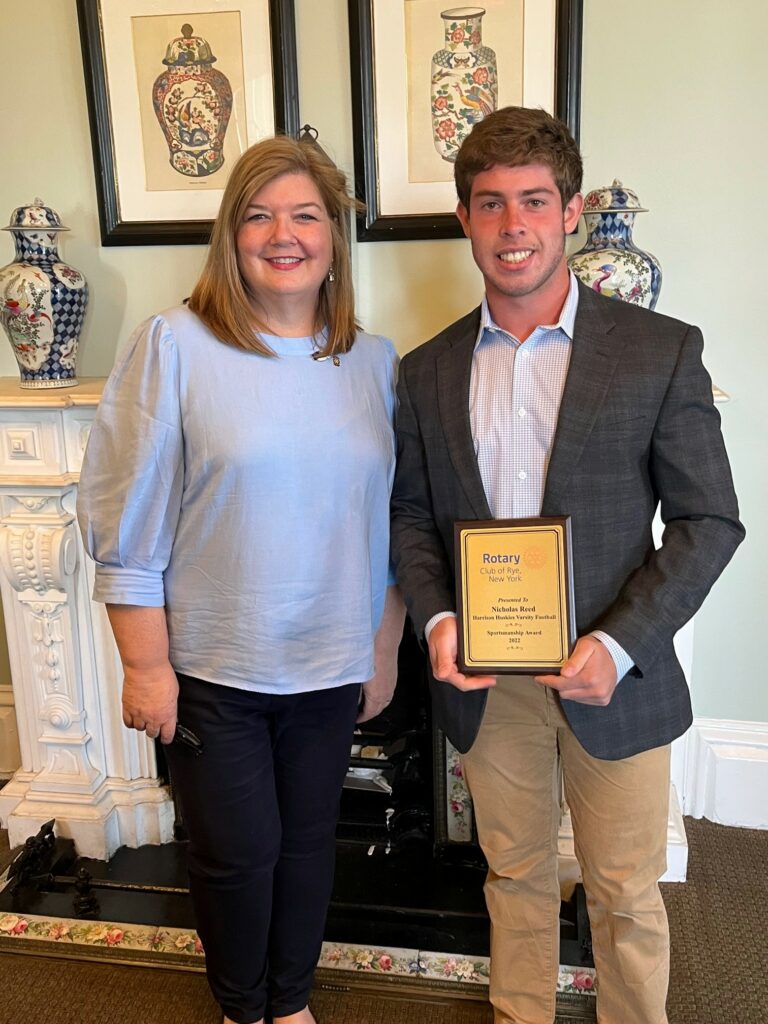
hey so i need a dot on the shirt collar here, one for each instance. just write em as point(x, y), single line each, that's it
point(565, 322)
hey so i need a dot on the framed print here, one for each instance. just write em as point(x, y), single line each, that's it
point(423, 73)
point(177, 90)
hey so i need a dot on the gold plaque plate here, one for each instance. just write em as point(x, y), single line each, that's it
point(514, 595)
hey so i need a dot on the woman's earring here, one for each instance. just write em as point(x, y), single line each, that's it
point(331, 273)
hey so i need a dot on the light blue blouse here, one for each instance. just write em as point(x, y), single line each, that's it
point(250, 497)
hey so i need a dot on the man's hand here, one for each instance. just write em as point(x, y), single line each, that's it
point(443, 650)
point(589, 675)
point(150, 696)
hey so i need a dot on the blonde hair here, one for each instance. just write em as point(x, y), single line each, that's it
point(220, 297)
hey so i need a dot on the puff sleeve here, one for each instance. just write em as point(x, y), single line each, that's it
point(133, 471)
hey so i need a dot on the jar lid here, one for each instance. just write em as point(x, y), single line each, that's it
point(35, 215)
point(612, 197)
point(188, 49)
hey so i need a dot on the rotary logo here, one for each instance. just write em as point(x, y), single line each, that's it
point(534, 558)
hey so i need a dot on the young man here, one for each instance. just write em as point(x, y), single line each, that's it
point(550, 400)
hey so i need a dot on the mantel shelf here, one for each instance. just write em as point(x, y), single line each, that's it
point(86, 393)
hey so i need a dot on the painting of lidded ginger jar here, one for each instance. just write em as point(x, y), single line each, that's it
point(193, 103)
point(465, 86)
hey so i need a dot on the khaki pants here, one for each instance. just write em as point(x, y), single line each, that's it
point(619, 811)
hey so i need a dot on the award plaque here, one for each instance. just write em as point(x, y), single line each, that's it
point(514, 595)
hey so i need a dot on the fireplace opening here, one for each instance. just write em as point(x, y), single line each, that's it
point(387, 803)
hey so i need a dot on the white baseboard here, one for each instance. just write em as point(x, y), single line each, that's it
point(726, 772)
point(677, 842)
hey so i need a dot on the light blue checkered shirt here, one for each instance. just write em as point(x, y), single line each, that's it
point(514, 400)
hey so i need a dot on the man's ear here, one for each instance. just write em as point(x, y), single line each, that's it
point(572, 212)
point(463, 214)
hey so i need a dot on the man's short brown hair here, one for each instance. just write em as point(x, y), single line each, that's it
point(514, 137)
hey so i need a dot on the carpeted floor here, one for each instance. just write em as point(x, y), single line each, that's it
point(719, 928)
point(718, 922)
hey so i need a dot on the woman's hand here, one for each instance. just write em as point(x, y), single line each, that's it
point(150, 696)
point(150, 687)
point(376, 695)
point(377, 692)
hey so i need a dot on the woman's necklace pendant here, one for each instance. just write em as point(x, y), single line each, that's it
point(319, 359)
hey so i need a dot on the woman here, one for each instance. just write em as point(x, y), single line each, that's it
point(234, 497)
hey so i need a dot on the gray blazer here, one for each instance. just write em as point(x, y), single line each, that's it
point(637, 428)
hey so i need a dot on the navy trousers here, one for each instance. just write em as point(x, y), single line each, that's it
point(260, 807)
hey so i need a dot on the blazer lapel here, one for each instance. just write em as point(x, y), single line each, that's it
point(595, 354)
point(454, 367)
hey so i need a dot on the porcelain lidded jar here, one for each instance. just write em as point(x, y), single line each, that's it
point(42, 300)
point(193, 103)
point(465, 84)
point(610, 263)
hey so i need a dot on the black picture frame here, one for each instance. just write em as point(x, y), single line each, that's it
point(114, 229)
point(372, 225)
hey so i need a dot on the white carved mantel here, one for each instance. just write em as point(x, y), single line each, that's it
point(79, 764)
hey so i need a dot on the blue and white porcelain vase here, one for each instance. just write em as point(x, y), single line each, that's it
point(610, 263)
point(42, 300)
